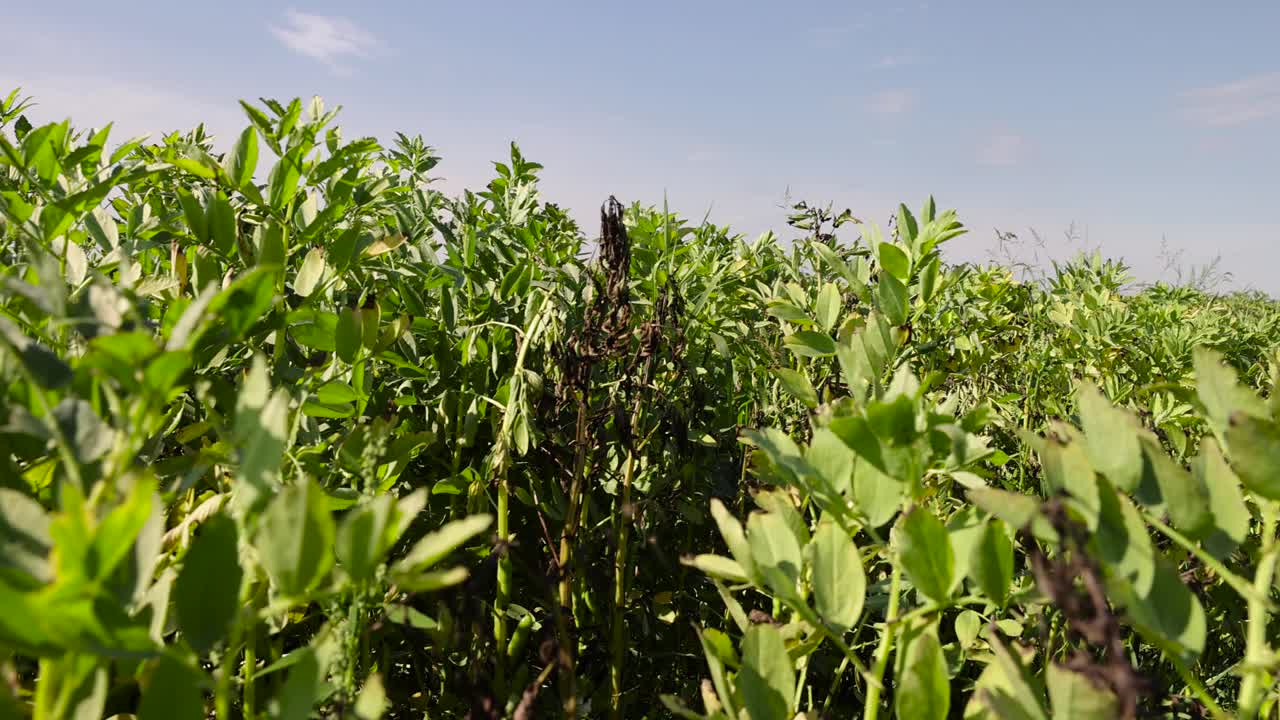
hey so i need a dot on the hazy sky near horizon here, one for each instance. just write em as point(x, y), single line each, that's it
point(1139, 122)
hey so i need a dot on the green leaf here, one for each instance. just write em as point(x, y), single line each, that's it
point(832, 462)
point(1185, 498)
point(719, 566)
point(1221, 394)
point(877, 496)
point(734, 537)
point(925, 552)
point(828, 306)
point(310, 273)
point(895, 261)
point(1121, 541)
point(24, 540)
point(797, 384)
point(302, 687)
point(1168, 614)
point(808, 343)
point(784, 310)
point(1112, 434)
point(923, 687)
point(348, 336)
point(1230, 515)
point(207, 592)
point(893, 298)
point(991, 565)
point(1254, 444)
point(775, 552)
point(372, 702)
point(295, 539)
point(1066, 468)
point(242, 161)
point(46, 368)
point(173, 693)
point(839, 581)
point(1075, 697)
point(261, 429)
point(767, 679)
point(360, 539)
point(437, 545)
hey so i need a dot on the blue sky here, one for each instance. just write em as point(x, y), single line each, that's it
point(1137, 121)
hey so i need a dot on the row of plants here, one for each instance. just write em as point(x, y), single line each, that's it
point(287, 433)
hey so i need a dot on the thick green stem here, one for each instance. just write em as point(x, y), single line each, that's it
point(502, 464)
point(871, 710)
point(246, 673)
point(617, 640)
point(1257, 652)
point(568, 674)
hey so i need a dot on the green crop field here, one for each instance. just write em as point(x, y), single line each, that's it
point(285, 432)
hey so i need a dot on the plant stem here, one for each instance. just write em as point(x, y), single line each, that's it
point(568, 675)
point(622, 531)
point(1257, 653)
point(871, 710)
point(502, 464)
point(246, 672)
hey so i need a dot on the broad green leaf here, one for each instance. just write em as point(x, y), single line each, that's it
point(767, 679)
point(302, 687)
point(832, 461)
point(828, 306)
point(895, 261)
point(1112, 436)
point(877, 496)
point(1231, 517)
point(432, 580)
point(1018, 511)
point(1065, 467)
point(719, 677)
point(784, 310)
point(775, 552)
point(372, 702)
point(1121, 541)
point(719, 566)
point(1254, 446)
point(991, 565)
point(206, 594)
point(797, 384)
point(310, 273)
point(893, 298)
point(295, 539)
point(1220, 393)
point(24, 540)
point(1075, 697)
point(734, 537)
point(361, 536)
point(173, 693)
point(925, 552)
point(808, 343)
point(46, 368)
point(1168, 614)
point(242, 161)
point(839, 581)
point(780, 503)
point(261, 432)
point(923, 688)
point(437, 545)
point(1006, 690)
point(1184, 497)
point(348, 336)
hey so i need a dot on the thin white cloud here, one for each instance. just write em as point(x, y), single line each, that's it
point(892, 102)
point(329, 39)
point(1240, 102)
point(92, 101)
point(830, 37)
point(1002, 150)
point(889, 62)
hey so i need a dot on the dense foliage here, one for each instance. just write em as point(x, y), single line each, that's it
point(287, 433)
